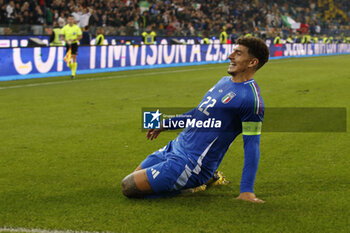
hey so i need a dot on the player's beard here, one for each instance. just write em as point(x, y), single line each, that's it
point(232, 73)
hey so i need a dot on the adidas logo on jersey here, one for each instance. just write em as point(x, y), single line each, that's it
point(155, 173)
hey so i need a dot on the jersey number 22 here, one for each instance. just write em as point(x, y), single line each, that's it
point(210, 101)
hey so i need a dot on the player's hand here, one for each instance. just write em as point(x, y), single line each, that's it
point(247, 196)
point(153, 133)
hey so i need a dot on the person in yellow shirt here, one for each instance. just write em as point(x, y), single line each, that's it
point(205, 38)
point(149, 36)
point(55, 35)
point(223, 36)
point(277, 39)
point(71, 34)
point(247, 34)
point(306, 39)
point(324, 39)
point(289, 40)
point(100, 37)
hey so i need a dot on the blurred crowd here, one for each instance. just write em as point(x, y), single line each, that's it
point(180, 17)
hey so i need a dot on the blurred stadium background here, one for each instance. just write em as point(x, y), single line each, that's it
point(66, 144)
point(180, 18)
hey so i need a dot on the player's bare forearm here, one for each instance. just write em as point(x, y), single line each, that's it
point(250, 197)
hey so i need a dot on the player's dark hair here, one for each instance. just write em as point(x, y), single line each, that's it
point(256, 48)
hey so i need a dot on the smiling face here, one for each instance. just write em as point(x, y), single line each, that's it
point(240, 61)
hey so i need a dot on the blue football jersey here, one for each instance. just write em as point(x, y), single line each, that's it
point(235, 105)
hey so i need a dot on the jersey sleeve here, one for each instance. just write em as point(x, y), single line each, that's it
point(252, 110)
point(252, 113)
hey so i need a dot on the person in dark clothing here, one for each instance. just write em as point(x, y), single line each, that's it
point(86, 36)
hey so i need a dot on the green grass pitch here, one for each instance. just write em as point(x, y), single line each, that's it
point(66, 145)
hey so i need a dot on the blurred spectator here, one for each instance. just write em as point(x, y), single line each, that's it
point(61, 20)
point(10, 10)
point(38, 16)
point(77, 15)
point(149, 36)
point(145, 19)
point(3, 13)
point(223, 36)
point(136, 25)
point(86, 36)
point(49, 16)
point(84, 18)
point(55, 34)
point(99, 38)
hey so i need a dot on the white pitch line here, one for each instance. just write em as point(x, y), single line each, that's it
point(102, 78)
point(26, 230)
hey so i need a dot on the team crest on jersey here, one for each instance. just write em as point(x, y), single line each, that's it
point(227, 98)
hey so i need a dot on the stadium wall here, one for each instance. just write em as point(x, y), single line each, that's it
point(39, 62)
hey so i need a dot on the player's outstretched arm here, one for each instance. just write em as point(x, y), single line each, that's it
point(251, 160)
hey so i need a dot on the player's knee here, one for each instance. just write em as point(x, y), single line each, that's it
point(127, 188)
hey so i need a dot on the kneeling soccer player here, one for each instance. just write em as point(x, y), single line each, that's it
point(192, 158)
